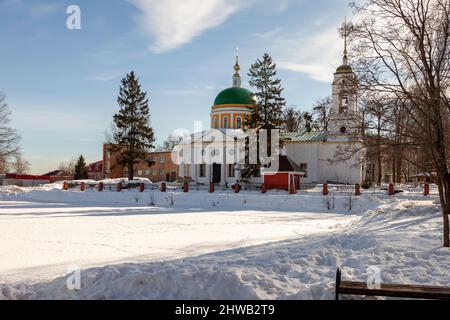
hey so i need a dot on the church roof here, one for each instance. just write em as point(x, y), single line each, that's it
point(235, 95)
point(344, 69)
point(305, 136)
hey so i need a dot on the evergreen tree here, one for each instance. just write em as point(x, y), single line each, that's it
point(133, 135)
point(80, 169)
point(308, 120)
point(268, 112)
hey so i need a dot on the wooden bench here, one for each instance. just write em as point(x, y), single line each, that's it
point(390, 290)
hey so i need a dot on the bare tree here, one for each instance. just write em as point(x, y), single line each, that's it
point(292, 119)
point(171, 142)
point(19, 165)
point(68, 166)
point(403, 52)
point(9, 139)
point(321, 112)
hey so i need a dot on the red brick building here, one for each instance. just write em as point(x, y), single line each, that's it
point(95, 170)
point(157, 167)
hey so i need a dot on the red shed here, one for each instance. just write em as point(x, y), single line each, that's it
point(288, 172)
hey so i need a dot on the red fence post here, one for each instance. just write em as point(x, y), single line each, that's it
point(391, 189)
point(357, 189)
point(263, 188)
point(119, 187)
point(82, 187)
point(141, 187)
point(211, 187)
point(325, 189)
point(426, 190)
point(237, 188)
point(101, 186)
point(65, 186)
point(292, 186)
point(186, 187)
point(163, 187)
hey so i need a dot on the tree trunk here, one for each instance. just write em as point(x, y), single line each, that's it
point(445, 203)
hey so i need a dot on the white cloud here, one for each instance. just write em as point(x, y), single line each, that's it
point(315, 55)
point(174, 23)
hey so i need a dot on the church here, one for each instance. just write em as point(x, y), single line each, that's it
point(333, 156)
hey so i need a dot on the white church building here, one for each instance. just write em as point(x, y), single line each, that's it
point(333, 156)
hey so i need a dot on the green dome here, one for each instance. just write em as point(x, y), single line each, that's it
point(235, 95)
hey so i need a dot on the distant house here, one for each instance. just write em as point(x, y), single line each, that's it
point(58, 175)
point(95, 170)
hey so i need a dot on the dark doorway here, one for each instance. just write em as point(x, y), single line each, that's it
point(217, 172)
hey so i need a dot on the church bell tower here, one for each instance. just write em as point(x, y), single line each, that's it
point(344, 115)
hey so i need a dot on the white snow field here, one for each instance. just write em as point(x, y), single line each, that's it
point(154, 245)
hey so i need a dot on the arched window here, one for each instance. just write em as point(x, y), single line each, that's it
point(225, 122)
point(238, 123)
point(344, 103)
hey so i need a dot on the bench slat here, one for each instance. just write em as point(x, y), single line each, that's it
point(394, 290)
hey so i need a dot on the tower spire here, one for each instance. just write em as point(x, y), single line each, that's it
point(237, 68)
point(345, 59)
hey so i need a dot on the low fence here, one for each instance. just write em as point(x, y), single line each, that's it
point(325, 189)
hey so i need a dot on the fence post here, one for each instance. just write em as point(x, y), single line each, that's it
point(357, 189)
point(237, 188)
point(101, 186)
point(325, 189)
point(141, 187)
point(292, 185)
point(163, 187)
point(65, 186)
point(119, 187)
point(82, 187)
point(263, 188)
point(391, 189)
point(426, 190)
point(186, 187)
point(211, 187)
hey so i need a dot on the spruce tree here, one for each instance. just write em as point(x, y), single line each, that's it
point(133, 136)
point(268, 112)
point(80, 169)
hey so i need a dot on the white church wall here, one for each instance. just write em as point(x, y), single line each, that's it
point(349, 171)
point(304, 152)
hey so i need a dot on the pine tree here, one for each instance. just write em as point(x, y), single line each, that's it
point(133, 135)
point(268, 112)
point(80, 169)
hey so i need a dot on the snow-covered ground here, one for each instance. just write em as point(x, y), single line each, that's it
point(154, 245)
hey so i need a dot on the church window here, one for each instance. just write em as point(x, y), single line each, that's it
point(304, 169)
point(238, 123)
point(202, 171)
point(225, 122)
point(344, 104)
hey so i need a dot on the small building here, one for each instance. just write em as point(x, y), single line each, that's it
point(288, 172)
point(59, 175)
point(95, 170)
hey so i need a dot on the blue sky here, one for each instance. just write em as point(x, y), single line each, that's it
point(62, 84)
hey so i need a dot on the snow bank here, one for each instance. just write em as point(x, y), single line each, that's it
point(400, 235)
